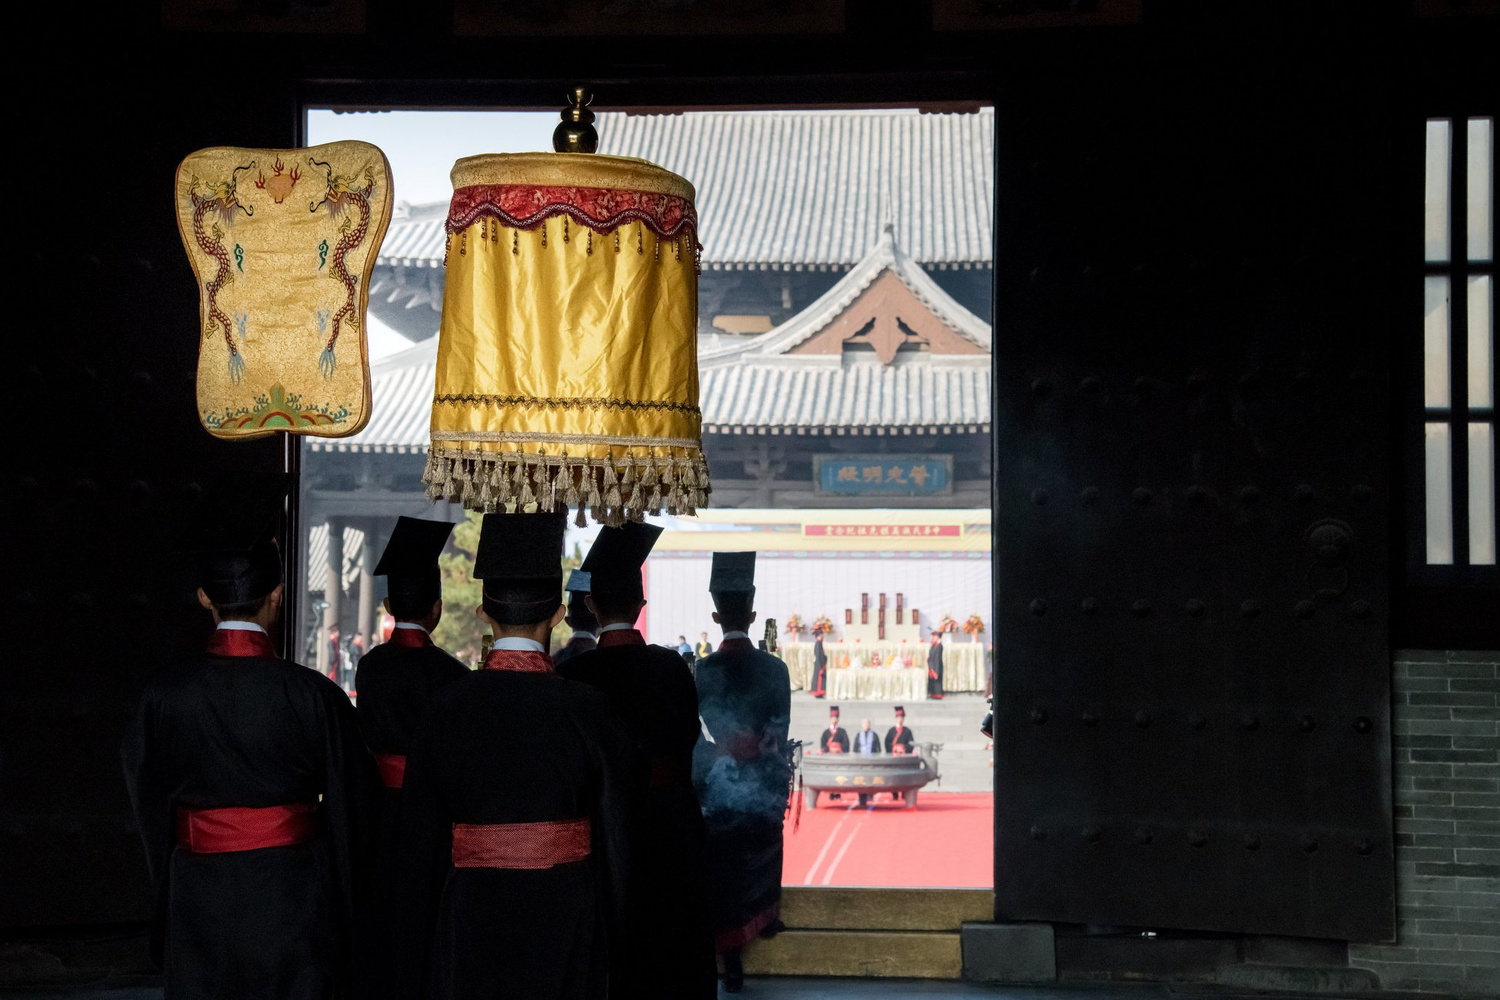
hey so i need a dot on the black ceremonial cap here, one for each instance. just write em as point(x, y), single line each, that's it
point(579, 582)
point(732, 573)
point(239, 560)
point(620, 552)
point(520, 561)
point(410, 559)
point(615, 559)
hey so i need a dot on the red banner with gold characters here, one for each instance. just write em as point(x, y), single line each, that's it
point(282, 243)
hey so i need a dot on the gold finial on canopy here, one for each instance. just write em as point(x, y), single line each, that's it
point(576, 133)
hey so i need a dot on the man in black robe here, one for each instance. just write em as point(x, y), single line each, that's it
point(395, 681)
point(742, 768)
point(580, 619)
point(671, 952)
point(935, 667)
point(254, 795)
point(514, 847)
point(818, 686)
point(834, 739)
point(898, 738)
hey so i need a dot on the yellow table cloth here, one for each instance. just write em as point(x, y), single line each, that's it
point(963, 661)
point(877, 684)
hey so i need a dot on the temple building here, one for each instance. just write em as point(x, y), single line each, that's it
point(840, 365)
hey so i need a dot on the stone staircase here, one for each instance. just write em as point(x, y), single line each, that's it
point(897, 933)
point(885, 932)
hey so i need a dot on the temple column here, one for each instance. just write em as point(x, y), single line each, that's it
point(333, 591)
point(370, 553)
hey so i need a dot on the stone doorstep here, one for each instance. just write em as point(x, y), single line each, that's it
point(862, 954)
point(1298, 979)
point(879, 909)
point(1009, 952)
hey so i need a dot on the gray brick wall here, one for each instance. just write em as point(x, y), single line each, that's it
point(1446, 767)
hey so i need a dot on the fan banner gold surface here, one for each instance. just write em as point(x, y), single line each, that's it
point(567, 362)
point(282, 242)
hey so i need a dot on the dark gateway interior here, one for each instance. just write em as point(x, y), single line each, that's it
point(1244, 720)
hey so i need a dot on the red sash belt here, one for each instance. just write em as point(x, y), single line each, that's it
point(241, 828)
point(670, 772)
point(520, 845)
point(392, 769)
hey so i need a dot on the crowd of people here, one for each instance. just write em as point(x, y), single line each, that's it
point(836, 739)
point(934, 662)
point(605, 821)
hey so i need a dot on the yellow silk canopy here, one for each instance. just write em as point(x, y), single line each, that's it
point(567, 366)
point(282, 242)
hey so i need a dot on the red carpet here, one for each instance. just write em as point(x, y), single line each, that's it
point(946, 842)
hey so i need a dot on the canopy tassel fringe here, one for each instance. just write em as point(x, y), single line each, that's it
point(611, 490)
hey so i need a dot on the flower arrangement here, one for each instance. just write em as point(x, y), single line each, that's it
point(822, 625)
point(794, 626)
point(974, 625)
point(947, 624)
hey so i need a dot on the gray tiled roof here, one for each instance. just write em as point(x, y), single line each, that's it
point(863, 397)
point(401, 388)
point(756, 387)
point(799, 189)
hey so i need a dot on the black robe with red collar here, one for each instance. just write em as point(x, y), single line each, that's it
point(836, 736)
point(898, 737)
point(394, 683)
point(743, 778)
point(240, 727)
point(935, 670)
point(510, 744)
point(652, 690)
point(818, 685)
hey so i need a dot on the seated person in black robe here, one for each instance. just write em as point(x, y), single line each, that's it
point(898, 738)
point(651, 688)
point(395, 681)
point(254, 795)
point(834, 739)
point(580, 618)
point(742, 768)
point(514, 851)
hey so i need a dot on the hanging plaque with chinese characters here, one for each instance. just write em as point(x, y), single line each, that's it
point(884, 475)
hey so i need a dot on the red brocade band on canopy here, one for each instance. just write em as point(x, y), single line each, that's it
point(567, 370)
